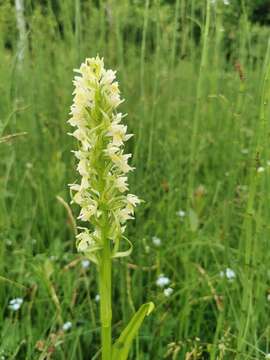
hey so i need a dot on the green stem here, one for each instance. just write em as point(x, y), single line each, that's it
point(105, 285)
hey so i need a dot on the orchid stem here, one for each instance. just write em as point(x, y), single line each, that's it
point(105, 285)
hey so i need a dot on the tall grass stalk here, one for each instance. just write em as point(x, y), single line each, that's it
point(252, 225)
point(22, 43)
point(193, 159)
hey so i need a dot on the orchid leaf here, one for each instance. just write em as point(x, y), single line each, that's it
point(122, 346)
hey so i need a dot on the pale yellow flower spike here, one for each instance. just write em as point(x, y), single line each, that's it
point(102, 164)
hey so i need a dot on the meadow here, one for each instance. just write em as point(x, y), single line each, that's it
point(195, 78)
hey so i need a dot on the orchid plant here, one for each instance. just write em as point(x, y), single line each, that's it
point(102, 189)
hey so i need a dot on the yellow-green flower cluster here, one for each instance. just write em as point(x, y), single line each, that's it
point(102, 164)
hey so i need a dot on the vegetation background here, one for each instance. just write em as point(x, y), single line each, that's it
point(195, 76)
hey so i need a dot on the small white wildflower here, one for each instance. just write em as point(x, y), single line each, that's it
point(15, 304)
point(162, 281)
point(226, 2)
point(244, 151)
point(67, 326)
point(228, 273)
point(156, 241)
point(97, 298)
point(181, 213)
point(168, 291)
point(260, 169)
point(268, 297)
point(267, 356)
point(85, 264)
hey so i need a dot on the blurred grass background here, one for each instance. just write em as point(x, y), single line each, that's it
point(195, 76)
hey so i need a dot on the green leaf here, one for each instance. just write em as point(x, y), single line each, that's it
point(193, 220)
point(122, 346)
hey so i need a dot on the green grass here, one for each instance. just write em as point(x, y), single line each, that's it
point(201, 133)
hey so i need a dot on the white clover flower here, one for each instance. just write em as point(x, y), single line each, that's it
point(228, 273)
point(162, 281)
point(85, 263)
point(168, 292)
point(156, 241)
point(67, 326)
point(102, 164)
point(260, 169)
point(15, 304)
